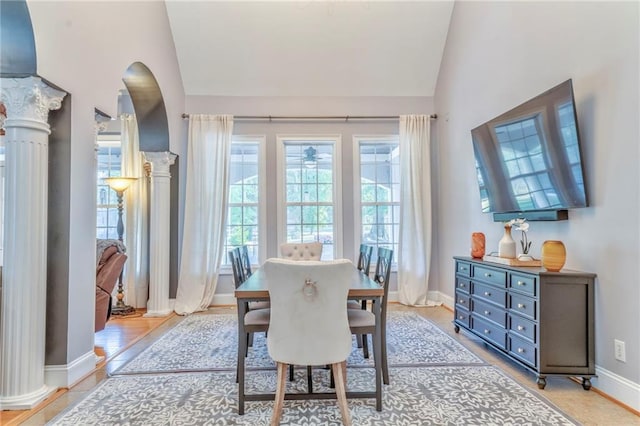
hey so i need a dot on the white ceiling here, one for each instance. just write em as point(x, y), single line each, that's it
point(309, 48)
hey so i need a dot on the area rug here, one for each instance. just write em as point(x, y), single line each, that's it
point(445, 395)
point(208, 342)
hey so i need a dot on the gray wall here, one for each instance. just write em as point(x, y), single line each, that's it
point(310, 106)
point(499, 54)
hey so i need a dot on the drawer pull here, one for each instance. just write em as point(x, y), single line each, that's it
point(521, 305)
point(463, 268)
point(461, 285)
point(520, 282)
point(488, 275)
point(487, 312)
point(520, 350)
point(486, 331)
point(460, 317)
point(461, 301)
point(486, 293)
point(520, 328)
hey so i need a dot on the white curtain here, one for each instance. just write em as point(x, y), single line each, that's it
point(414, 252)
point(136, 221)
point(205, 212)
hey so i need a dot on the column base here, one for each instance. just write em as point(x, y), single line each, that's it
point(123, 310)
point(28, 401)
point(163, 313)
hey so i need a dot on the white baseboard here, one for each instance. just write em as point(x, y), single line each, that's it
point(617, 387)
point(67, 375)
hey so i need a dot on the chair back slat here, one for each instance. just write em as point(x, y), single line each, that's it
point(364, 259)
point(245, 262)
point(383, 273)
point(236, 266)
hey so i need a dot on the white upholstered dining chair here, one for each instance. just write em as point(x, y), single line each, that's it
point(301, 251)
point(309, 324)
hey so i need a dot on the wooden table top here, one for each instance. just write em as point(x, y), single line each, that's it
point(255, 287)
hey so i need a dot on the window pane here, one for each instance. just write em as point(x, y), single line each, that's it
point(294, 193)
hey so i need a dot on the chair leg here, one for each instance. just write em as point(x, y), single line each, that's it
point(291, 372)
point(309, 379)
point(359, 340)
point(280, 390)
point(339, 372)
point(250, 339)
point(365, 345)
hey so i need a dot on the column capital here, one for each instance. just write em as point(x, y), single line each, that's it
point(160, 162)
point(29, 99)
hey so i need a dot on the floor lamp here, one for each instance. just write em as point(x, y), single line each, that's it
point(120, 184)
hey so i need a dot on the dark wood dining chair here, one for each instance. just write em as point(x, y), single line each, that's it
point(309, 324)
point(363, 322)
point(257, 317)
point(363, 265)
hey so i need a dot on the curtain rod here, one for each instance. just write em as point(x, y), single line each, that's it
point(316, 117)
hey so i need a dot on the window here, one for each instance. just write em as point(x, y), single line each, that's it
point(246, 190)
point(378, 190)
point(309, 192)
point(107, 202)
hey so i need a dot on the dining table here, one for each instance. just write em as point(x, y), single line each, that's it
point(254, 289)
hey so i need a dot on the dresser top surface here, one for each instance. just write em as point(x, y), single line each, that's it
point(525, 269)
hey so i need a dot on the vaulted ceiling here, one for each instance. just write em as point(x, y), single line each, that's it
point(309, 48)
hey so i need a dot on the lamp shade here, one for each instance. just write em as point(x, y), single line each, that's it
point(119, 184)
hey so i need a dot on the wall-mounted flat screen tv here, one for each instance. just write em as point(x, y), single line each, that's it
point(529, 159)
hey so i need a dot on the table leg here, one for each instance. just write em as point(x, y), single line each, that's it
point(242, 349)
point(377, 354)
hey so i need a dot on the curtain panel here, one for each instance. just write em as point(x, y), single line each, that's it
point(414, 253)
point(205, 212)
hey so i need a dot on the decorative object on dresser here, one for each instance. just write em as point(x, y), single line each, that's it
point(477, 245)
point(542, 320)
point(553, 255)
point(507, 245)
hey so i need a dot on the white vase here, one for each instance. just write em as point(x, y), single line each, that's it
point(507, 245)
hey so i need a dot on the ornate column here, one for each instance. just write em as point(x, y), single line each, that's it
point(22, 325)
point(159, 224)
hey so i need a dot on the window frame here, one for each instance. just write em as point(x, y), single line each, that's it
point(357, 195)
point(262, 196)
point(281, 190)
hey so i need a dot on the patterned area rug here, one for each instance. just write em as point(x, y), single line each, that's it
point(208, 342)
point(469, 395)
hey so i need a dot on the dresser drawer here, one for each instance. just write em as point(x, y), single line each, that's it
point(523, 283)
point(462, 316)
point(523, 350)
point(522, 327)
point(490, 293)
point(490, 312)
point(489, 331)
point(463, 268)
point(490, 275)
point(523, 305)
point(463, 300)
point(463, 285)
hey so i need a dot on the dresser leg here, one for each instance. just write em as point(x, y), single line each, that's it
point(586, 383)
point(542, 382)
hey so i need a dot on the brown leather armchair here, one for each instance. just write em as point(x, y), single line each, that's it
point(108, 270)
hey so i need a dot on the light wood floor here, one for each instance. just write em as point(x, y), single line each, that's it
point(118, 344)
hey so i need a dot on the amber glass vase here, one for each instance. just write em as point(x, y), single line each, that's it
point(553, 255)
point(477, 245)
